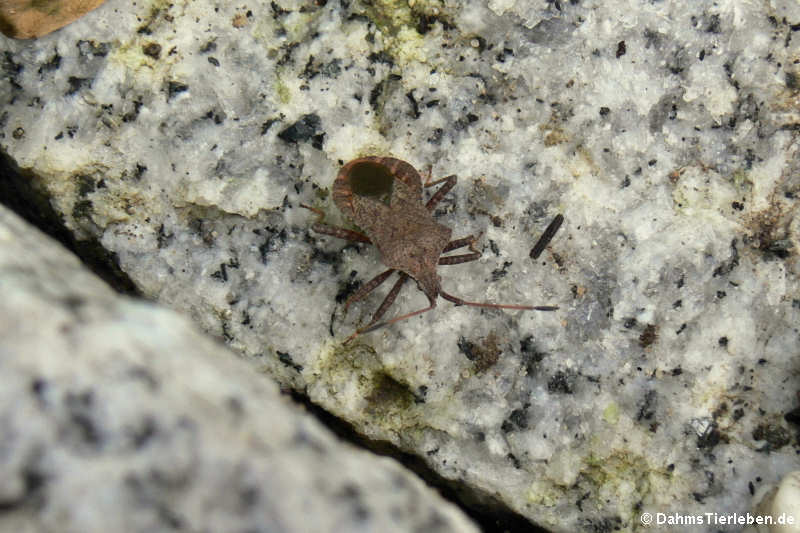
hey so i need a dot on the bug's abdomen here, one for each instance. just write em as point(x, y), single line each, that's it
point(413, 242)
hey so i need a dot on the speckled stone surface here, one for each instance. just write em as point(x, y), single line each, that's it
point(184, 136)
point(119, 415)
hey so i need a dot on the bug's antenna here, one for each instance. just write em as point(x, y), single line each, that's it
point(459, 301)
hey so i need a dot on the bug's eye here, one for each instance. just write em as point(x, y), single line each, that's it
point(372, 180)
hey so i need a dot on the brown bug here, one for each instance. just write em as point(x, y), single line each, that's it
point(383, 196)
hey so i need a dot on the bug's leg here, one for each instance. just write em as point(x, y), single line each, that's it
point(341, 233)
point(387, 302)
point(458, 259)
point(460, 243)
point(459, 301)
point(463, 258)
point(367, 288)
point(450, 182)
point(318, 212)
point(335, 231)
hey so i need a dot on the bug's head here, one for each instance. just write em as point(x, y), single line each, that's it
point(371, 180)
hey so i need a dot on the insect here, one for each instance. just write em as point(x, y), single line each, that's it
point(383, 196)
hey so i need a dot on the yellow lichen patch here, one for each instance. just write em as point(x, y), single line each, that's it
point(408, 46)
point(284, 95)
point(390, 16)
point(544, 492)
point(354, 380)
point(158, 10)
point(300, 25)
point(742, 181)
point(135, 54)
point(294, 26)
point(611, 413)
point(93, 197)
point(625, 478)
point(396, 22)
point(702, 192)
point(144, 68)
point(389, 398)
point(128, 55)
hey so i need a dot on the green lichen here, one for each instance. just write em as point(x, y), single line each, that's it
point(354, 370)
point(127, 55)
point(741, 180)
point(397, 23)
point(344, 366)
point(625, 478)
point(614, 468)
point(611, 413)
point(294, 27)
point(130, 54)
point(544, 492)
point(284, 95)
point(157, 7)
point(390, 16)
point(389, 397)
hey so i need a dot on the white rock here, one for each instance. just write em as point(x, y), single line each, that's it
point(118, 415)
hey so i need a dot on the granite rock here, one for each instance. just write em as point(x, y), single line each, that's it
point(781, 504)
point(118, 415)
point(184, 136)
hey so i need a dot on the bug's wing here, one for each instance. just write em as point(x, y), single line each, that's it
point(404, 172)
point(342, 195)
point(370, 215)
